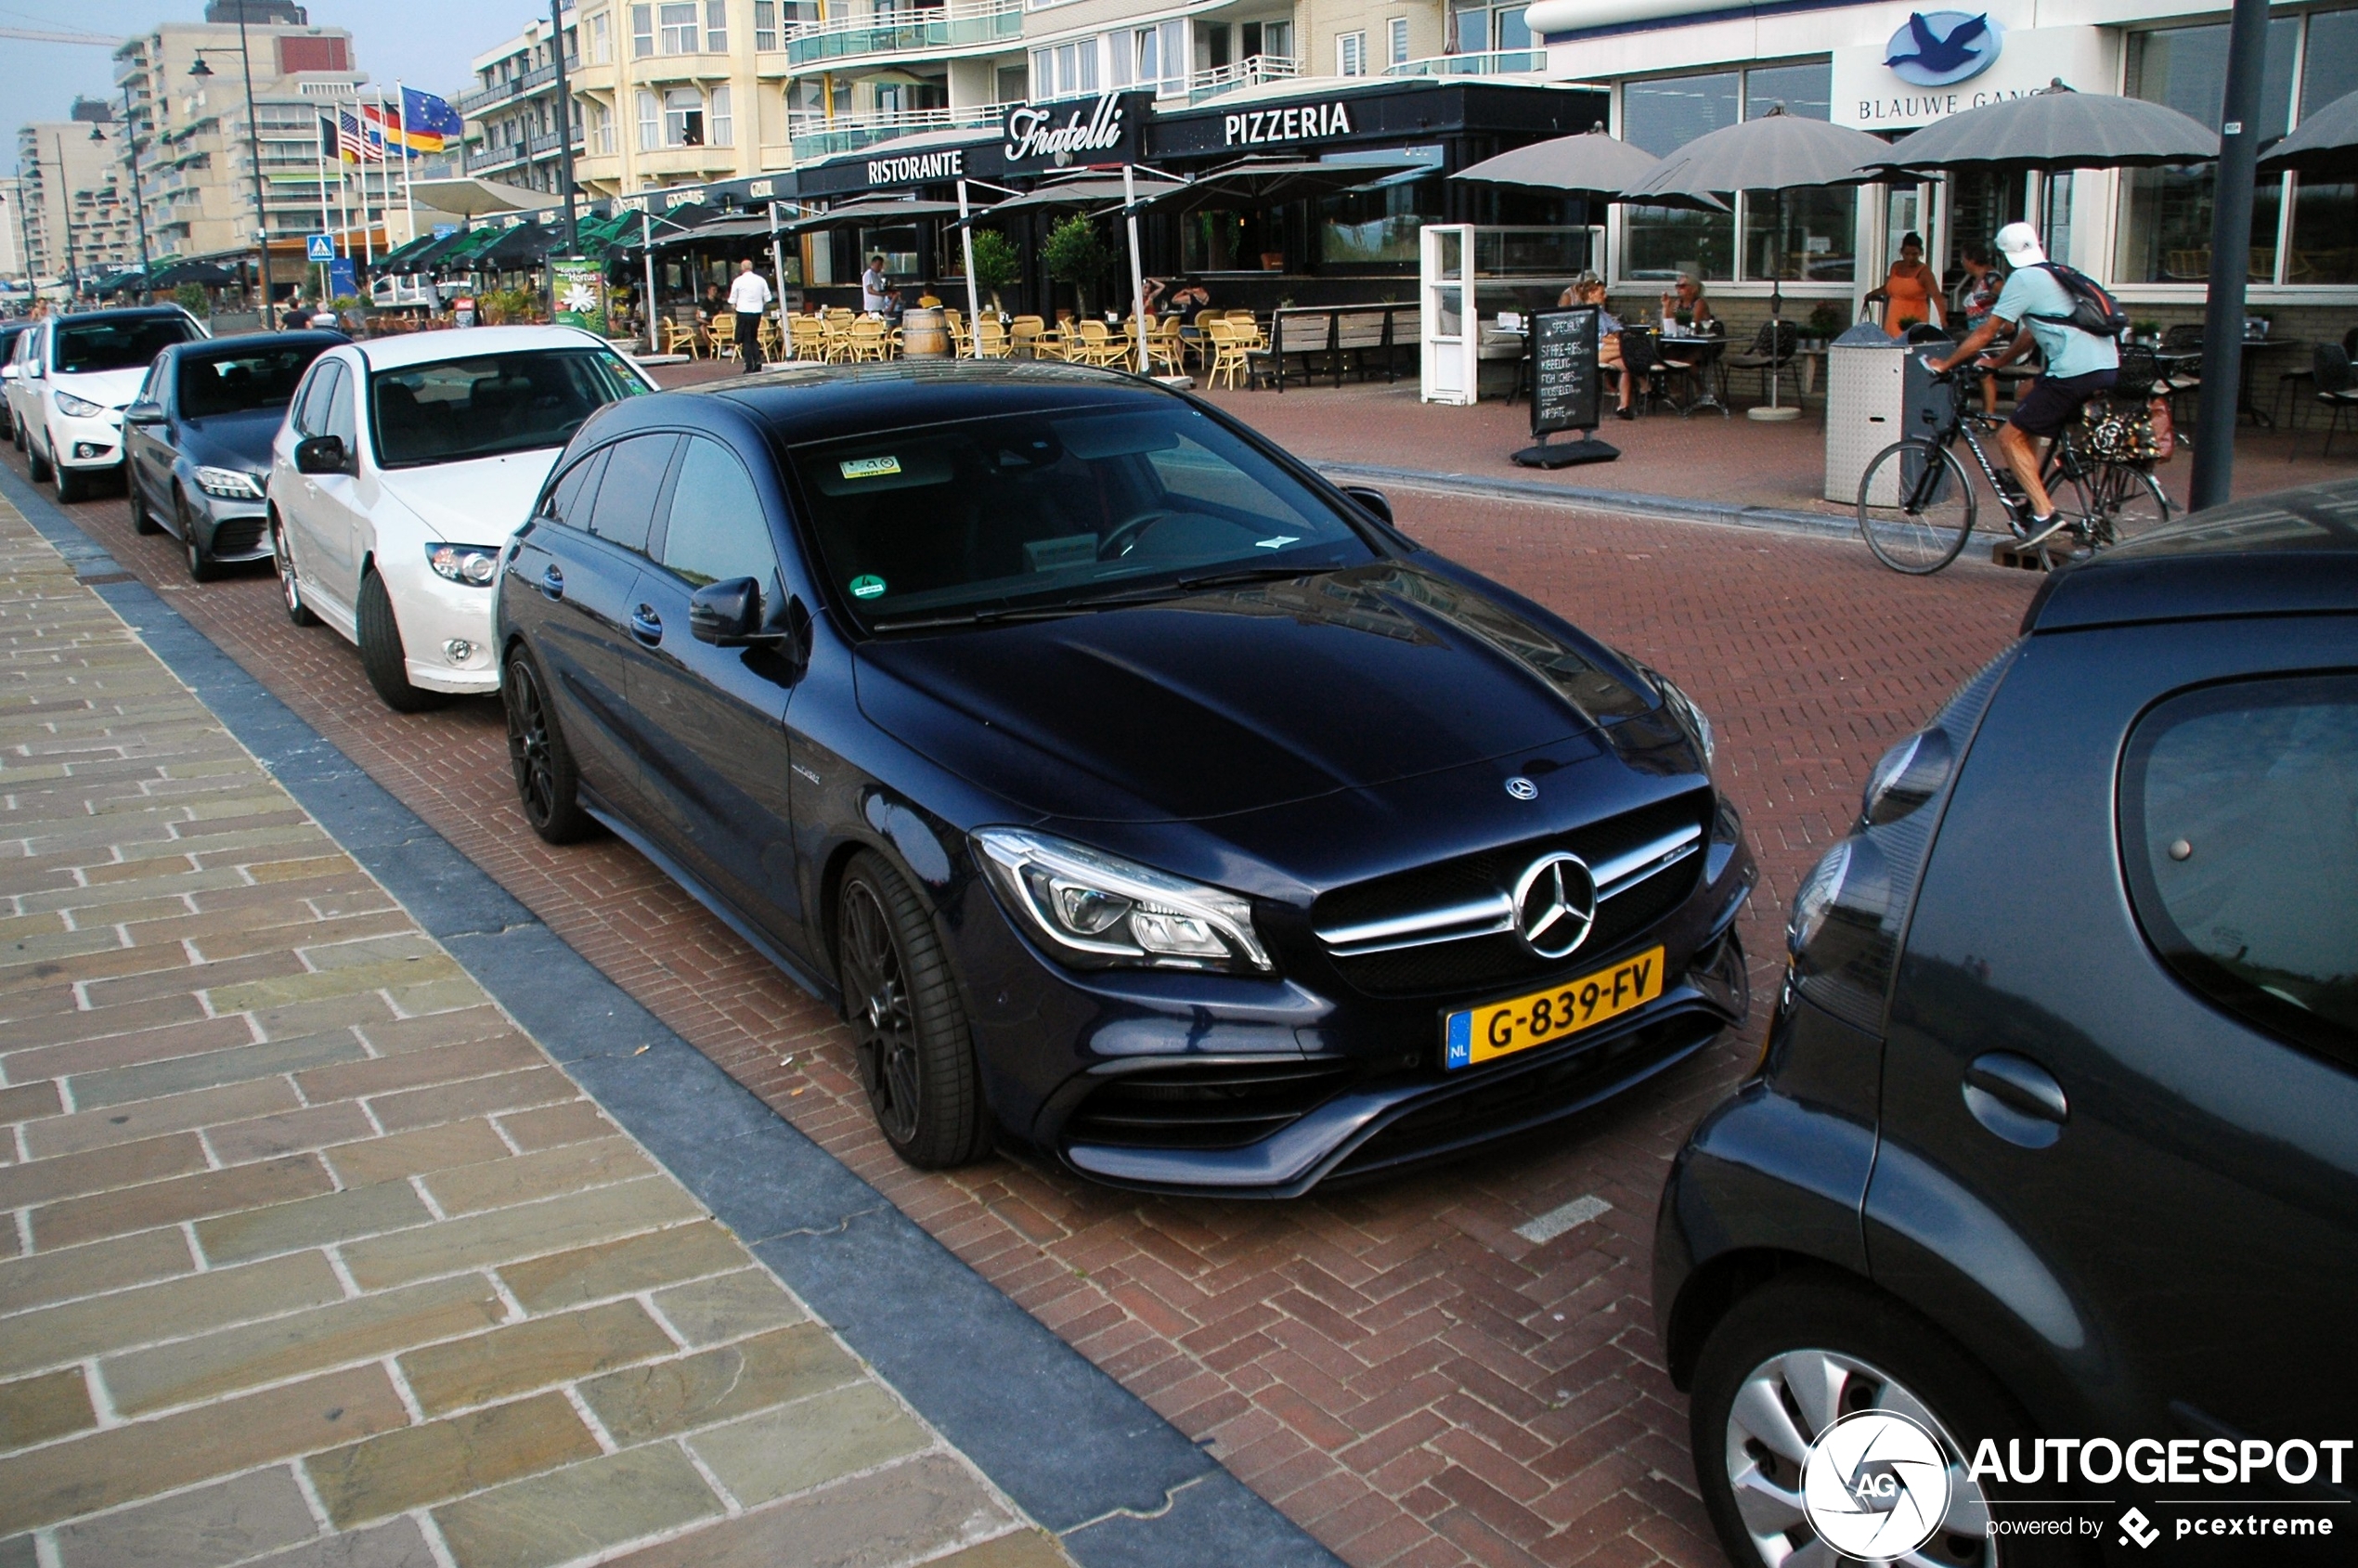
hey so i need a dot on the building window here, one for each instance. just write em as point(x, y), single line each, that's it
point(716, 27)
point(1811, 239)
point(642, 32)
point(723, 123)
point(601, 45)
point(682, 117)
point(765, 24)
point(601, 136)
point(650, 121)
point(1067, 70)
point(2166, 214)
point(1398, 54)
point(1476, 27)
point(1351, 53)
point(677, 20)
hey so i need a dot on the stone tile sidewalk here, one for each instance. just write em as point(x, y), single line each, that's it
point(312, 1256)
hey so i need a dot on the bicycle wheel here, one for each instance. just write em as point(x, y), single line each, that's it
point(1915, 507)
point(2129, 502)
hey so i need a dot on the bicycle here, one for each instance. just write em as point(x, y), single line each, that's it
point(1916, 504)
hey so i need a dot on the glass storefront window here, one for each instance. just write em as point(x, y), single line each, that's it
point(1815, 237)
point(2323, 246)
point(1375, 229)
point(1221, 241)
point(2166, 214)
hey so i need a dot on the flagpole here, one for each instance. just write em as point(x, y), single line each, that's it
point(368, 233)
point(319, 155)
point(409, 195)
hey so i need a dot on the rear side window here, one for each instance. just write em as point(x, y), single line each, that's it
point(569, 500)
point(2239, 818)
point(311, 419)
point(625, 509)
point(716, 530)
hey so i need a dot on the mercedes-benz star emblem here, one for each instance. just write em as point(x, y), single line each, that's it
point(1522, 788)
point(1555, 904)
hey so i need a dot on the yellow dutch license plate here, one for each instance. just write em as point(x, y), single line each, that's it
point(1481, 1034)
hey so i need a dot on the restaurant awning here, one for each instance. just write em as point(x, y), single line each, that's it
point(876, 211)
point(719, 229)
point(1264, 181)
point(206, 274)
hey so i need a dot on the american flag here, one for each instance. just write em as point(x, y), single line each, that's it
point(357, 143)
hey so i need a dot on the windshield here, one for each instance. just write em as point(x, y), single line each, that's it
point(231, 383)
point(1054, 509)
point(124, 344)
point(457, 409)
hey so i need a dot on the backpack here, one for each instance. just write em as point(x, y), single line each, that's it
point(2093, 310)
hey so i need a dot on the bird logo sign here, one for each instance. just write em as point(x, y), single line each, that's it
point(1936, 48)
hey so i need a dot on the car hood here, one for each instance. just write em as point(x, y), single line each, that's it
point(477, 502)
point(240, 440)
point(1241, 699)
point(113, 388)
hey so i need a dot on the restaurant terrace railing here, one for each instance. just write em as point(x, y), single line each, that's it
point(1249, 71)
point(961, 24)
point(817, 137)
point(1491, 63)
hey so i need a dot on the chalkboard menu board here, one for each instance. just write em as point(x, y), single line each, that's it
point(1563, 362)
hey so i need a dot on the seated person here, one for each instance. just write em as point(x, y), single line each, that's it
point(1588, 290)
point(1685, 306)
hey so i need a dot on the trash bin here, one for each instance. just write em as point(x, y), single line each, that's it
point(1878, 392)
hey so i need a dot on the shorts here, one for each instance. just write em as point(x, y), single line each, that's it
point(2052, 403)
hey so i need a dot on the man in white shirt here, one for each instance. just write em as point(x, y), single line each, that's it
point(749, 297)
point(875, 290)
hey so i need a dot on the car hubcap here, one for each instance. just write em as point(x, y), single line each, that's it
point(1780, 1408)
point(285, 563)
point(529, 745)
point(883, 1024)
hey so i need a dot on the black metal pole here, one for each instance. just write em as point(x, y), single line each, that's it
point(24, 239)
point(65, 196)
point(565, 127)
point(131, 154)
point(2223, 334)
point(253, 138)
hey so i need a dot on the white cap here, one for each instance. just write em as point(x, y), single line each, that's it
point(2019, 242)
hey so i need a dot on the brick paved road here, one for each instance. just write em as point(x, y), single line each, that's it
point(311, 1256)
point(1392, 1364)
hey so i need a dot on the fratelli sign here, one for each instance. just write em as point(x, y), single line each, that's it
point(1060, 135)
point(1939, 63)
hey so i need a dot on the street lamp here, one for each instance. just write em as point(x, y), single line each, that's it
point(253, 137)
point(131, 156)
point(65, 201)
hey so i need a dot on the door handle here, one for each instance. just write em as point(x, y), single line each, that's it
point(2017, 1099)
point(646, 626)
point(553, 583)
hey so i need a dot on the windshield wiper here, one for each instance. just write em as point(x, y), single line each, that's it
point(1160, 591)
point(978, 617)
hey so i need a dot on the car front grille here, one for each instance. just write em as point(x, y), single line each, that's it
point(1448, 926)
point(1205, 1104)
point(239, 536)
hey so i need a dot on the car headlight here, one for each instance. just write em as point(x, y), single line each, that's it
point(229, 484)
point(1097, 910)
point(1689, 716)
point(474, 565)
point(80, 408)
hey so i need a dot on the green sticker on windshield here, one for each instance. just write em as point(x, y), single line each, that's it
point(869, 468)
point(867, 586)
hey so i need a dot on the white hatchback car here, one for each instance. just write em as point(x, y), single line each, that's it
point(75, 374)
point(403, 467)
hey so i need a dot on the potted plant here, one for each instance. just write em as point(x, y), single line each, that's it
point(192, 298)
point(997, 266)
point(1825, 322)
point(1076, 253)
point(2147, 331)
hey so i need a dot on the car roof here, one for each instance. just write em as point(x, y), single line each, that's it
point(461, 343)
point(244, 342)
point(818, 402)
point(2292, 552)
point(120, 313)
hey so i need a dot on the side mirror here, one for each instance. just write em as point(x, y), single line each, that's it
point(7, 373)
point(1371, 499)
point(144, 413)
point(321, 454)
point(727, 615)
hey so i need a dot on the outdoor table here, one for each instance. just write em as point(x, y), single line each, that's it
point(1696, 355)
point(2253, 349)
point(1806, 361)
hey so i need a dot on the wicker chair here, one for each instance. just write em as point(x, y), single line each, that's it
point(1023, 336)
point(991, 341)
point(1229, 351)
point(867, 341)
point(809, 335)
point(724, 334)
point(1093, 344)
point(774, 346)
point(680, 331)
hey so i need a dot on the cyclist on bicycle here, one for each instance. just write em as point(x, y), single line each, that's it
point(2080, 365)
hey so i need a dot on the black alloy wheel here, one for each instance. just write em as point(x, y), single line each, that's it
point(201, 567)
point(383, 658)
point(909, 1030)
point(290, 589)
point(548, 785)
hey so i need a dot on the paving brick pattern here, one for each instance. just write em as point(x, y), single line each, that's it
point(1392, 1366)
point(309, 1256)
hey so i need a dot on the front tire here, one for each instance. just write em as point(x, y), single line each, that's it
point(381, 655)
point(548, 784)
point(290, 585)
point(36, 467)
point(909, 1027)
point(74, 484)
point(1915, 507)
point(202, 568)
point(1805, 1351)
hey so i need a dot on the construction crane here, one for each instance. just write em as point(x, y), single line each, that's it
point(38, 35)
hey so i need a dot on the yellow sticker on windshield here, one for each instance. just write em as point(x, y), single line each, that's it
point(869, 468)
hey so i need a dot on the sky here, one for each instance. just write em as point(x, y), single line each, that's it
point(423, 43)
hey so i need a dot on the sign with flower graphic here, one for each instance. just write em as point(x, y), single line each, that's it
point(577, 287)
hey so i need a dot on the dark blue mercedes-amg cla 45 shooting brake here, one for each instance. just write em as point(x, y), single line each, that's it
point(1137, 795)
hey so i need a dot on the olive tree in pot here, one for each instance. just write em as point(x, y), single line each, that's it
point(1077, 254)
point(997, 265)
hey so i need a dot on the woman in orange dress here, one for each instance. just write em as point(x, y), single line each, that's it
point(1910, 293)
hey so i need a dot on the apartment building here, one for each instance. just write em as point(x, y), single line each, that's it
point(12, 250)
point(680, 92)
point(512, 110)
point(76, 210)
point(196, 148)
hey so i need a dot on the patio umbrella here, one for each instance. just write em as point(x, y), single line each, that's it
point(2051, 130)
point(1260, 181)
point(873, 212)
point(472, 197)
point(206, 274)
point(2325, 145)
point(1775, 153)
point(1081, 190)
point(1591, 162)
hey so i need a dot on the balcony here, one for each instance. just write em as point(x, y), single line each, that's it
point(958, 27)
point(513, 87)
point(816, 137)
point(1494, 62)
point(1249, 71)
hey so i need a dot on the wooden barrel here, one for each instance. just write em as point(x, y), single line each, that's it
point(925, 335)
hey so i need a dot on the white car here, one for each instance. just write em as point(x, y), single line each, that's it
point(404, 465)
point(75, 374)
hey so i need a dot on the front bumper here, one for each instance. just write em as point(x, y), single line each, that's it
point(91, 442)
point(231, 531)
point(434, 613)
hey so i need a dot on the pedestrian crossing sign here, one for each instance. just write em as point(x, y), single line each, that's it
point(319, 247)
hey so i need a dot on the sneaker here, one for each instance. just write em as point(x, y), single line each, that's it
point(2039, 530)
